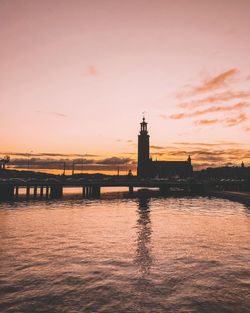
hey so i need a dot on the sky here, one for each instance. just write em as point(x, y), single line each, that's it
point(76, 76)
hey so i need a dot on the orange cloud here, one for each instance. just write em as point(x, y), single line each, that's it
point(236, 120)
point(211, 84)
point(225, 96)
point(227, 121)
point(203, 155)
point(92, 71)
point(205, 144)
point(212, 155)
point(216, 82)
point(207, 122)
point(214, 109)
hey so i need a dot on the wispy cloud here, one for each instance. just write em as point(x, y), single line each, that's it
point(218, 81)
point(91, 71)
point(46, 154)
point(212, 109)
point(203, 154)
point(207, 122)
point(157, 147)
point(164, 116)
point(59, 114)
point(205, 144)
point(233, 121)
point(115, 161)
point(224, 96)
point(80, 163)
point(233, 103)
point(52, 113)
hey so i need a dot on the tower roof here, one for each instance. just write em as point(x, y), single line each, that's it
point(143, 125)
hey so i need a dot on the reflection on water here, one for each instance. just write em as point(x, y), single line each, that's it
point(143, 252)
point(125, 255)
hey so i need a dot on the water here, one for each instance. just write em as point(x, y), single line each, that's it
point(125, 255)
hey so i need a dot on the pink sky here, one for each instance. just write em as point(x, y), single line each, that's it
point(76, 76)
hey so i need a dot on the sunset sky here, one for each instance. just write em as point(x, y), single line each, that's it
point(76, 76)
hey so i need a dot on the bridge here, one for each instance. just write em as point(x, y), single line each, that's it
point(91, 188)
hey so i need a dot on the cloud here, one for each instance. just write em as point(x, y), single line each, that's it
point(210, 154)
point(207, 122)
point(205, 144)
point(46, 163)
point(59, 114)
point(92, 71)
point(157, 147)
point(236, 120)
point(213, 109)
point(127, 141)
point(227, 121)
point(225, 96)
point(216, 82)
point(79, 163)
point(115, 161)
point(52, 113)
point(224, 102)
point(45, 154)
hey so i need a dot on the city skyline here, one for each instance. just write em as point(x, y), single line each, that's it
point(89, 163)
point(76, 77)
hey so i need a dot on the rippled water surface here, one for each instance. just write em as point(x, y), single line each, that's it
point(125, 255)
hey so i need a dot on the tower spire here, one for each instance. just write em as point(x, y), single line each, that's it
point(143, 125)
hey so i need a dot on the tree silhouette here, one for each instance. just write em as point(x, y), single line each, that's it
point(4, 161)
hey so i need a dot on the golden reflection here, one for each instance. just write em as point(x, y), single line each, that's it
point(143, 256)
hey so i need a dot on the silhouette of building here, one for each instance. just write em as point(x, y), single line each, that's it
point(148, 168)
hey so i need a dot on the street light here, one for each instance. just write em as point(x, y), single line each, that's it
point(82, 164)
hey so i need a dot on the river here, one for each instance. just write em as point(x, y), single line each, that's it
point(125, 255)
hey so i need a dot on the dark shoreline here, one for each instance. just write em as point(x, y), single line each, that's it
point(242, 197)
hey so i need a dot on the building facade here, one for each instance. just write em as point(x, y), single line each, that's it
point(146, 167)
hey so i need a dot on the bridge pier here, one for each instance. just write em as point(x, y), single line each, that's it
point(87, 191)
point(56, 192)
point(41, 192)
point(6, 193)
point(16, 192)
point(96, 191)
point(91, 191)
point(131, 189)
point(28, 192)
point(35, 192)
point(47, 192)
